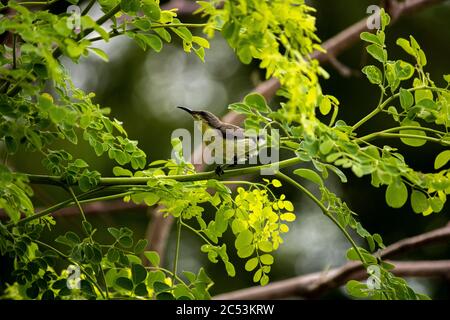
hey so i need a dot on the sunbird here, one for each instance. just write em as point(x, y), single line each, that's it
point(236, 146)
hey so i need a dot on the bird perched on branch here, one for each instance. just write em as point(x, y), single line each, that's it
point(235, 146)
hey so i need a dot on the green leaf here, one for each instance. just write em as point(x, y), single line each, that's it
point(164, 296)
point(357, 289)
point(130, 6)
point(338, 172)
point(423, 94)
point(155, 276)
point(406, 99)
point(34, 138)
point(404, 44)
point(265, 246)
point(151, 40)
point(152, 257)
point(59, 284)
point(240, 108)
point(436, 204)
point(200, 41)
point(183, 33)
point(87, 227)
point(100, 53)
point(243, 239)
point(113, 255)
point(251, 264)
point(133, 259)
point(442, 159)
point(33, 291)
point(264, 280)
point(377, 52)
point(325, 106)
point(190, 276)
point(373, 73)
point(289, 207)
point(289, 217)
point(11, 145)
point(126, 242)
point(119, 171)
point(141, 290)
point(151, 199)
point(404, 70)
point(396, 194)
point(124, 283)
point(421, 58)
point(257, 275)
point(72, 236)
point(63, 240)
point(419, 201)
point(80, 163)
point(228, 29)
point(352, 254)
point(138, 273)
point(370, 37)
point(256, 101)
point(200, 52)
point(164, 34)
point(154, 42)
point(151, 9)
point(45, 101)
point(137, 198)
point(48, 295)
point(245, 251)
point(326, 146)
point(310, 175)
point(391, 76)
point(86, 288)
point(161, 287)
point(385, 19)
point(230, 269)
point(245, 55)
point(114, 232)
point(276, 183)
point(447, 78)
point(143, 24)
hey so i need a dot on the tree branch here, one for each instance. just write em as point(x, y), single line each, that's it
point(304, 285)
point(348, 37)
point(315, 284)
point(185, 7)
point(159, 227)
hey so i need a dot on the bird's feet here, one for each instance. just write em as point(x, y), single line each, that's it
point(219, 170)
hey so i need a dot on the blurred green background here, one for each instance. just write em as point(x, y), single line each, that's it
point(143, 88)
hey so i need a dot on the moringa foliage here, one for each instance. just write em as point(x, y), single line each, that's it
point(39, 105)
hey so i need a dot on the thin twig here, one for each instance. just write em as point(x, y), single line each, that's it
point(88, 7)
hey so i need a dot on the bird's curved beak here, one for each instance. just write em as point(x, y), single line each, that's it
point(186, 109)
